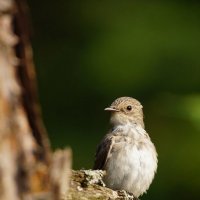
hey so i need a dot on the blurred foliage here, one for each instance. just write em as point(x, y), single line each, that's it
point(87, 53)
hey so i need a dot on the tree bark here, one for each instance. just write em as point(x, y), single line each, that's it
point(88, 184)
point(27, 170)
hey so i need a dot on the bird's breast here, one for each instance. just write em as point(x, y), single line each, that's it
point(131, 164)
point(134, 131)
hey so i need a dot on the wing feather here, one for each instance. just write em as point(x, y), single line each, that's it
point(102, 153)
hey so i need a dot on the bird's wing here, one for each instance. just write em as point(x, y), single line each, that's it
point(103, 151)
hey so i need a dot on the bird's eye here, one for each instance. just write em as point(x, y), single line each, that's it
point(129, 108)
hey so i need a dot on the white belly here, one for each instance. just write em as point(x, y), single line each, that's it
point(131, 167)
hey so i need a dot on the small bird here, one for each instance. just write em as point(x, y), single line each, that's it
point(126, 153)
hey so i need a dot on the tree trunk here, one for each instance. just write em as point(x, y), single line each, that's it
point(25, 156)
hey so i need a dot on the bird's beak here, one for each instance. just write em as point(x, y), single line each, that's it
point(111, 109)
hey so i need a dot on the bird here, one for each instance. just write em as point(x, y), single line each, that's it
point(127, 153)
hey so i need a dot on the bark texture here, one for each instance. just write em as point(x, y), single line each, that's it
point(24, 147)
point(27, 168)
point(88, 185)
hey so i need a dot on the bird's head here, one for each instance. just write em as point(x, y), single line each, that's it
point(126, 110)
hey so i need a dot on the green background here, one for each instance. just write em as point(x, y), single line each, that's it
point(87, 53)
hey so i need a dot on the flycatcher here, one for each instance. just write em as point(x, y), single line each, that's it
point(126, 153)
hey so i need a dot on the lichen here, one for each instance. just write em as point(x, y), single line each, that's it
point(88, 185)
point(93, 177)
